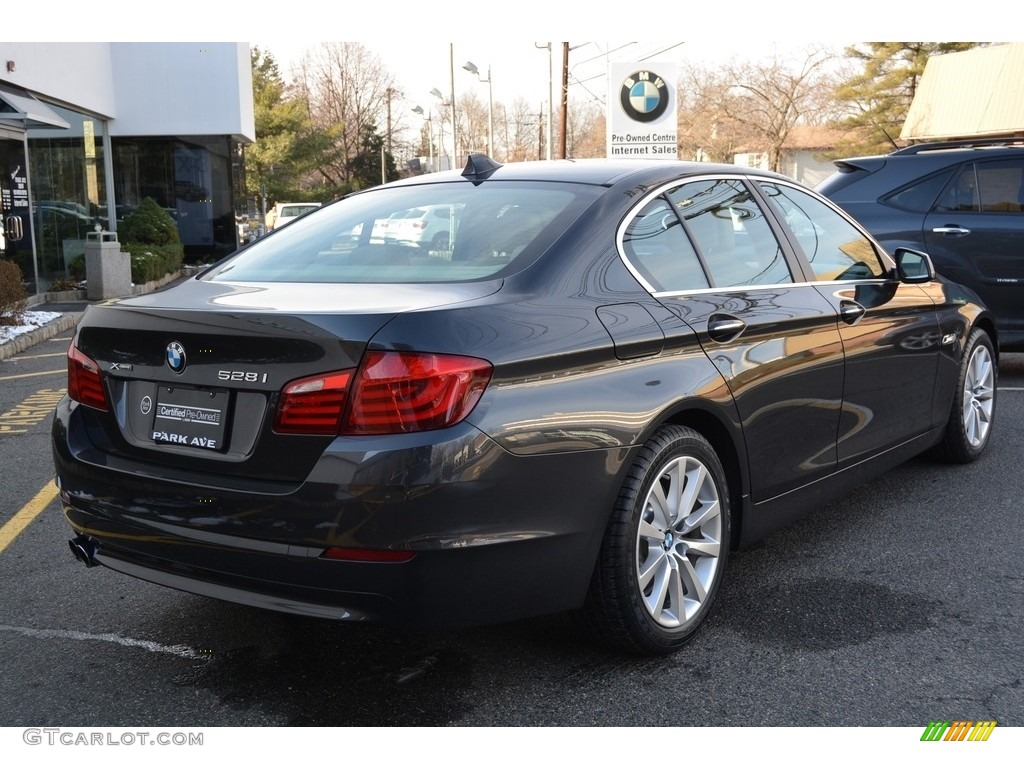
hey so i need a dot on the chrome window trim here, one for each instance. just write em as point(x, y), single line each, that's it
point(776, 286)
point(886, 259)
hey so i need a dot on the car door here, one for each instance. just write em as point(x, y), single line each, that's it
point(975, 234)
point(889, 329)
point(709, 254)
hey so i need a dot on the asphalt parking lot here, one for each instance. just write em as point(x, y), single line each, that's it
point(897, 605)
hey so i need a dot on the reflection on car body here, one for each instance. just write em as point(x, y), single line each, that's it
point(615, 373)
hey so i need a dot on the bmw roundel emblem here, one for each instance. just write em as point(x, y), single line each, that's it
point(176, 357)
point(644, 96)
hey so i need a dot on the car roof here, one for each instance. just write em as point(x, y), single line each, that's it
point(600, 172)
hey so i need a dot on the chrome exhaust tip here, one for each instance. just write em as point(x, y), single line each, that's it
point(84, 550)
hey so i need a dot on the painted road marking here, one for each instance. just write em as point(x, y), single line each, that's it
point(26, 515)
point(69, 634)
point(36, 357)
point(27, 375)
point(30, 411)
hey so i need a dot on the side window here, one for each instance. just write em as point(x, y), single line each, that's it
point(835, 248)
point(920, 195)
point(731, 233)
point(962, 193)
point(656, 246)
point(1002, 186)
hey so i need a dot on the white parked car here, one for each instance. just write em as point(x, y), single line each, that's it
point(285, 212)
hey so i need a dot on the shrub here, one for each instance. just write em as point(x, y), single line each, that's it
point(149, 224)
point(151, 262)
point(13, 296)
point(76, 267)
point(150, 235)
point(62, 284)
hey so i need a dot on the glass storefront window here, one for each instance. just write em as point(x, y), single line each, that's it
point(69, 191)
point(191, 177)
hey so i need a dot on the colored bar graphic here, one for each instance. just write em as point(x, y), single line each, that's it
point(958, 730)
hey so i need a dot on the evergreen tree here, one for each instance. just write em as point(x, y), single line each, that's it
point(286, 146)
point(880, 96)
point(365, 168)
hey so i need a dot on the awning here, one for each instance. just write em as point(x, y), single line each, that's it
point(16, 104)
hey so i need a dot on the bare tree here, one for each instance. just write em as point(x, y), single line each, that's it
point(757, 103)
point(348, 89)
point(585, 133)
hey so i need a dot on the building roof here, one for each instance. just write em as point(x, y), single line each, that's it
point(969, 94)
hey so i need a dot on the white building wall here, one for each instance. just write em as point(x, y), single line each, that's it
point(78, 74)
point(183, 89)
point(145, 89)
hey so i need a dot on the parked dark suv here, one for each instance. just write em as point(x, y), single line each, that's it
point(961, 202)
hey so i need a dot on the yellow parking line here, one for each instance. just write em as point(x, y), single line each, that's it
point(36, 357)
point(27, 375)
point(27, 514)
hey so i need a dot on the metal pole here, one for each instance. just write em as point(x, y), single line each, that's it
point(551, 65)
point(563, 117)
point(490, 114)
point(451, 73)
point(430, 141)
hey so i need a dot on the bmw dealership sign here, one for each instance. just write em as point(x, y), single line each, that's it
point(642, 111)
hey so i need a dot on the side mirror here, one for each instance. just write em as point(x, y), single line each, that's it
point(914, 266)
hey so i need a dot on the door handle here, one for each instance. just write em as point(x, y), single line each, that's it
point(951, 229)
point(850, 312)
point(723, 328)
point(12, 228)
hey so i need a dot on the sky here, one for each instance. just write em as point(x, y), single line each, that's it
point(518, 67)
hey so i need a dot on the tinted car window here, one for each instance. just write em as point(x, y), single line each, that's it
point(297, 210)
point(962, 193)
point(835, 248)
point(656, 245)
point(346, 242)
point(919, 196)
point(731, 233)
point(1002, 186)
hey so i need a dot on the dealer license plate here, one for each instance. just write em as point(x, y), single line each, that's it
point(190, 417)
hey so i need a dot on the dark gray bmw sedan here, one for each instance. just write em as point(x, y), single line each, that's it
point(603, 378)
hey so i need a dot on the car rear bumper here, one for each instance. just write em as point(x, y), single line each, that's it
point(493, 536)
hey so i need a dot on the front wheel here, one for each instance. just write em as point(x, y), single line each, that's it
point(665, 548)
point(974, 404)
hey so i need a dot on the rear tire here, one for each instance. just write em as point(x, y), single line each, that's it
point(973, 410)
point(665, 548)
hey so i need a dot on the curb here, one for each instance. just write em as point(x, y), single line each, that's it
point(53, 328)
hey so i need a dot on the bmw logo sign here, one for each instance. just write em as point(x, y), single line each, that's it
point(176, 357)
point(644, 96)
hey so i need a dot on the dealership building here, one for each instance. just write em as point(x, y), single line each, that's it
point(89, 130)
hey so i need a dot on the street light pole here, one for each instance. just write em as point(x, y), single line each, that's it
point(430, 134)
point(451, 75)
point(550, 86)
point(440, 141)
point(470, 67)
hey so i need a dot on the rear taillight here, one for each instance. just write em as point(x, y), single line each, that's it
point(313, 406)
point(85, 385)
point(412, 391)
point(390, 392)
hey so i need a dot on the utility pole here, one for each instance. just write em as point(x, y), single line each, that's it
point(564, 111)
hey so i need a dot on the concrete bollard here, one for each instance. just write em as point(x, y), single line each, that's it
point(108, 271)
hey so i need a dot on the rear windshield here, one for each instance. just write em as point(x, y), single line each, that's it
point(440, 232)
point(297, 210)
